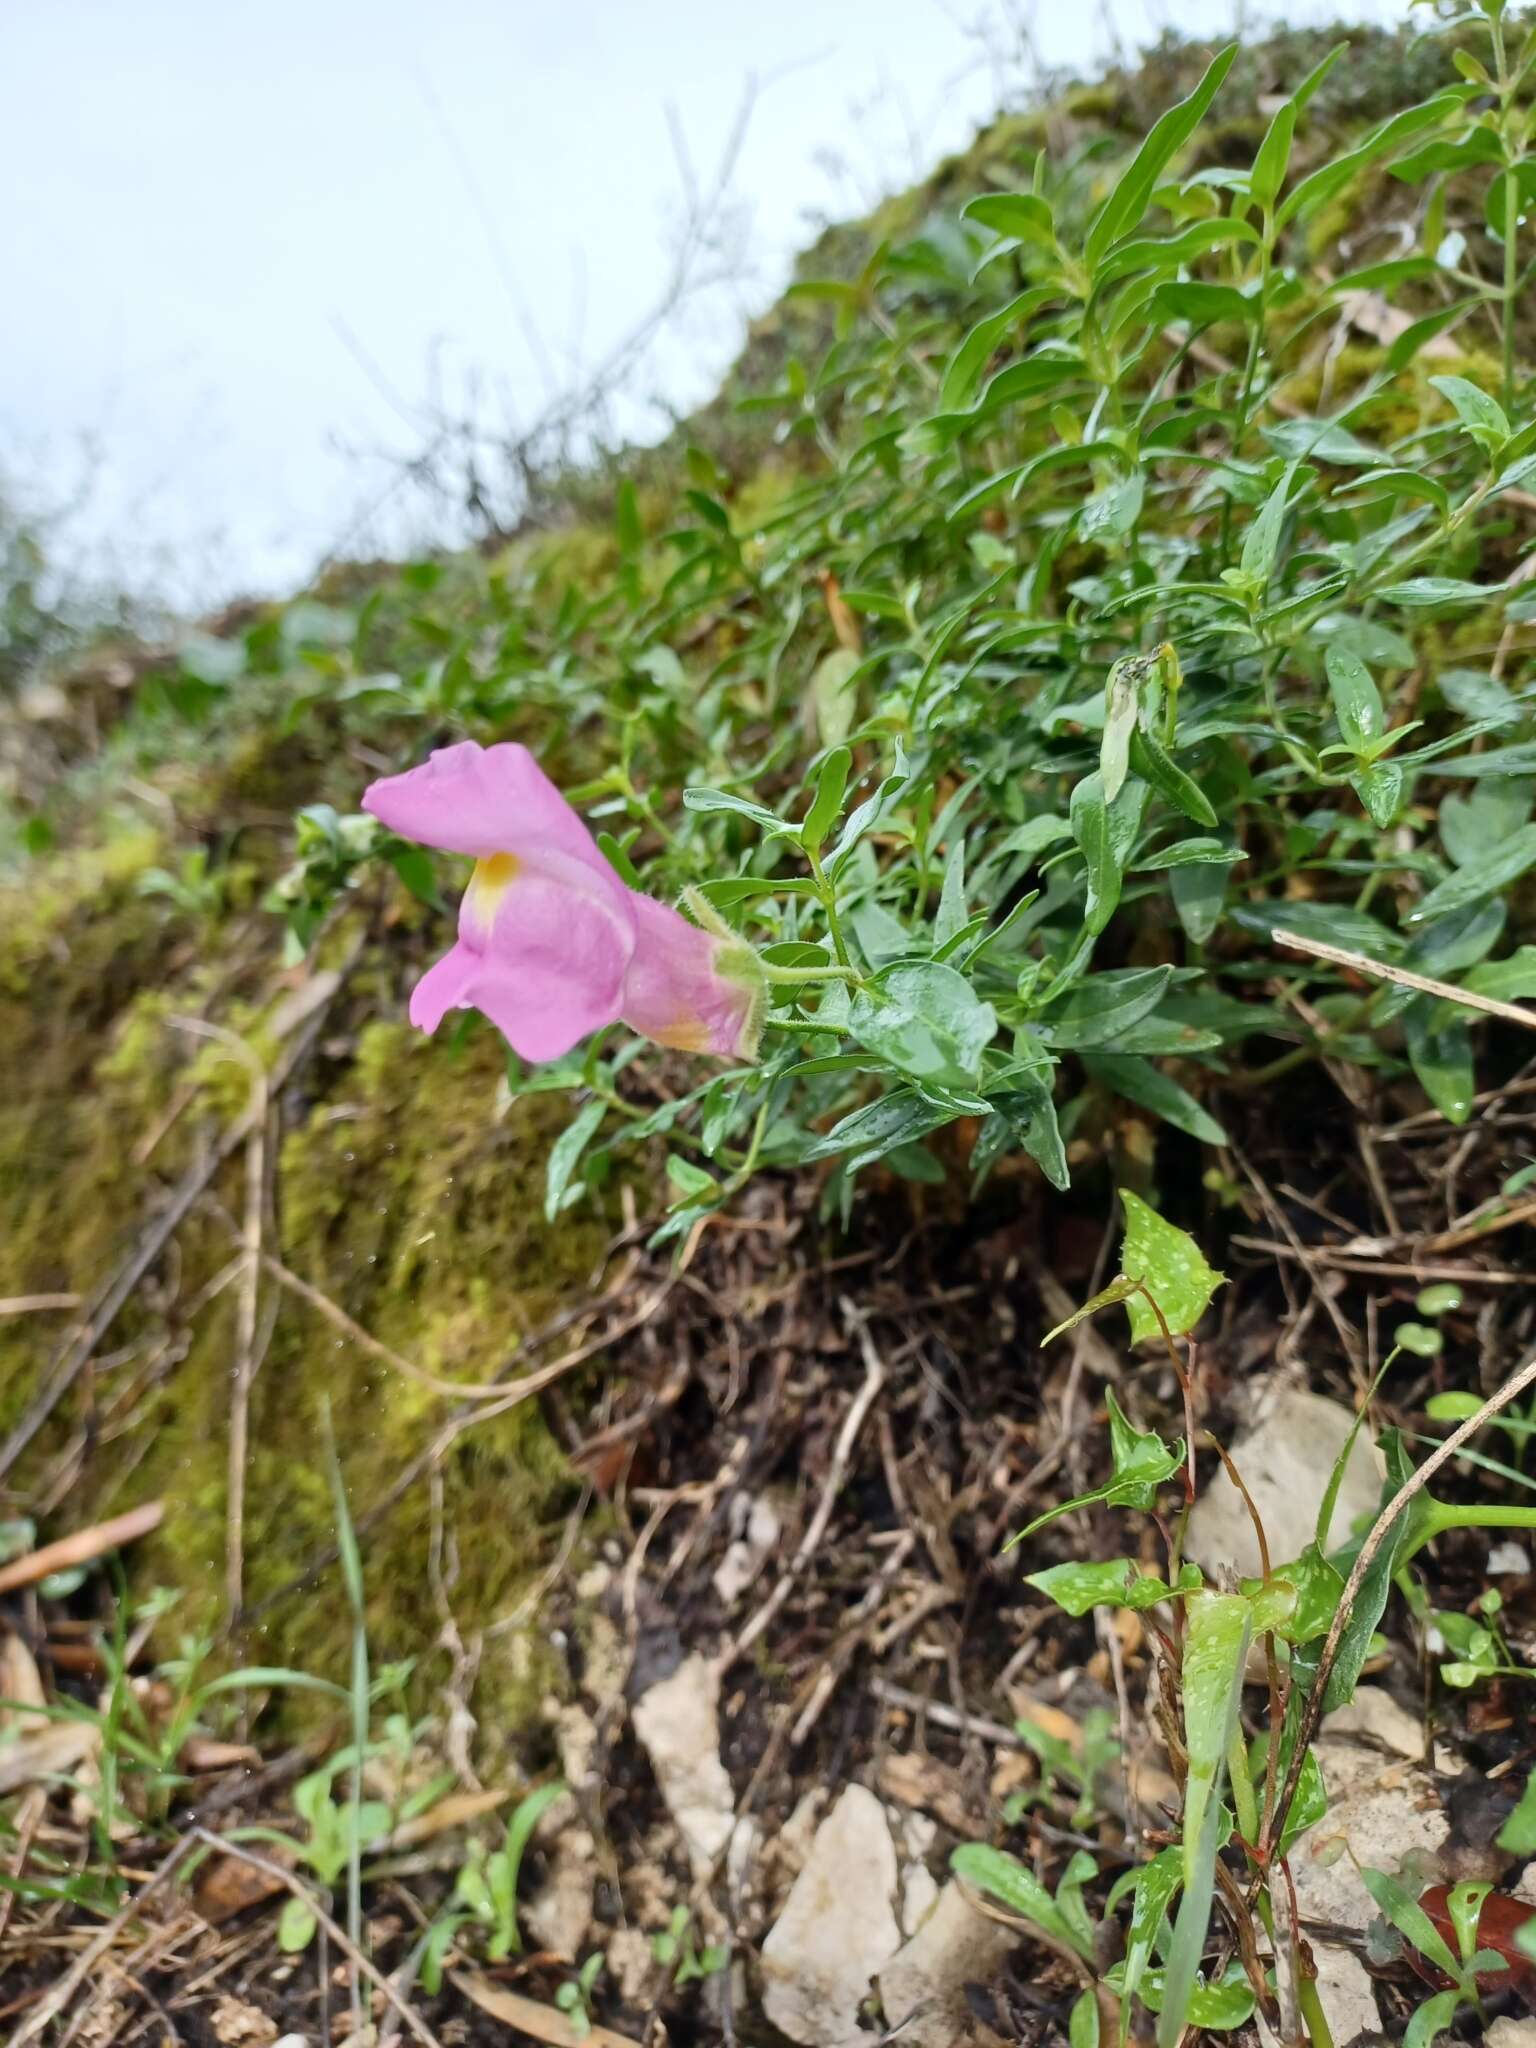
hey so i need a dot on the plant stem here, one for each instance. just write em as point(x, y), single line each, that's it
point(828, 894)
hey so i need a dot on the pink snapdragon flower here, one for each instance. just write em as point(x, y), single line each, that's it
point(551, 944)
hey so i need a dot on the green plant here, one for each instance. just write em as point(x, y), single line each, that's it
point(1463, 1965)
point(196, 889)
point(1097, 656)
point(675, 1948)
point(1078, 1769)
point(487, 1884)
point(1313, 1617)
point(574, 1996)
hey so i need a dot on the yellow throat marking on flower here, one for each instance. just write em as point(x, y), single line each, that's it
point(491, 880)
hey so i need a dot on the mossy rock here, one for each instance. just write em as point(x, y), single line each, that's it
point(406, 1189)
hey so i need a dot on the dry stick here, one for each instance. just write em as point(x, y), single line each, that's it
point(863, 1401)
point(34, 1304)
point(468, 1417)
point(82, 1547)
point(246, 1360)
point(57, 2001)
point(1320, 1255)
point(1341, 956)
point(1381, 1528)
point(337, 1316)
point(300, 1890)
point(946, 1717)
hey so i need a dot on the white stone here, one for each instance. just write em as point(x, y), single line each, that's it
point(678, 1721)
point(559, 1916)
point(1373, 1715)
point(756, 1528)
point(1509, 2033)
point(1508, 1561)
point(922, 1988)
point(1385, 1810)
point(837, 1929)
point(1285, 1459)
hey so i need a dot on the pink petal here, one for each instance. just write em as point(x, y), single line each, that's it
point(481, 801)
point(687, 989)
point(445, 986)
point(549, 969)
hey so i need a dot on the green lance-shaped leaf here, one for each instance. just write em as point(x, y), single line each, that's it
point(1006, 1879)
point(1356, 700)
point(831, 787)
point(1128, 201)
point(1218, 1629)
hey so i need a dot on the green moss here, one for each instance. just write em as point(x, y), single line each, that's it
point(404, 1192)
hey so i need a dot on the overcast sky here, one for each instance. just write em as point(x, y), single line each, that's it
point(241, 241)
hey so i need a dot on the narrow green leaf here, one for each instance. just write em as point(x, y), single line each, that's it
point(831, 787)
point(565, 1154)
point(1128, 201)
point(1156, 765)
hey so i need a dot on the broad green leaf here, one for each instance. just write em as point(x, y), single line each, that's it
point(1110, 514)
point(1218, 1629)
point(1262, 541)
point(1128, 201)
point(1199, 897)
point(1356, 700)
point(1398, 1905)
point(1431, 2019)
point(1172, 1267)
point(1274, 152)
point(1380, 789)
point(296, 1926)
point(1507, 981)
point(1424, 593)
point(1140, 1463)
point(1318, 189)
point(951, 917)
point(1440, 1052)
point(869, 1133)
point(1370, 1601)
point(1106, 833)
point(715, 800)
point(1187, 853)
point(1405, 483)
point(1102, 1007)
point(1022, 216)
point(1482, 416)
point(1155, 1886)
point(1202, 305)
point(1336, 924)
point(1083, 2021)
point(1117, 1582)
point(968, 365)
point(1170, 252)
point(927, 1020)
point(1518, 1834)
point(1117, 1290)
